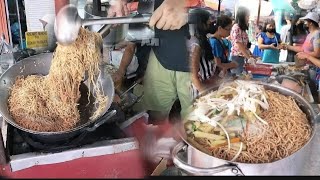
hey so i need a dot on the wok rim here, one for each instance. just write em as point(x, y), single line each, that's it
point(12, 122)
point(312, 120)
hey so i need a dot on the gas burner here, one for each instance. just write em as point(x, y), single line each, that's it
point(34, 145)
point(24, 142)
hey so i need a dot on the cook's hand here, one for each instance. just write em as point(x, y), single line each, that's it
point(118, 8)
point(303, 55)
point(171, 14)
point(116, 98)
point(118, 76)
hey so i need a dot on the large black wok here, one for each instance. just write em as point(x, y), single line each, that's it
point(40, 65)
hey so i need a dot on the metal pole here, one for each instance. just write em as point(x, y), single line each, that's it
point(96, 6)
point(20, 31)
point(8, 23)
point(219, 7)
point(259, 8)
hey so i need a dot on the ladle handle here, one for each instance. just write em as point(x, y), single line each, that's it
point(105, 30)
point(143, 18)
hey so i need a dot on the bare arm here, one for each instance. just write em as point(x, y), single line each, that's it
point(125, 61)
point(127, 56)
point(243, 49)
point(294, 48)
point(264, 46)
point(195, 66)
point(315, 53)
point(303, 55)
point(224, 66)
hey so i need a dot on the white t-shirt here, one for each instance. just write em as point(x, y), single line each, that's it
point(284, 31)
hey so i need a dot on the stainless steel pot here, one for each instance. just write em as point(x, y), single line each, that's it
point(201, 163)
point(40, 64)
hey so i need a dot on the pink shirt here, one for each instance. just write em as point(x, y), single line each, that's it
point(238, 35)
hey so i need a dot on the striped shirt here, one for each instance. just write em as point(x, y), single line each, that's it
point(207, 67)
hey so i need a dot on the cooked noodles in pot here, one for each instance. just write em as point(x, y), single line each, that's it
point(50, 103)
point(243, 122)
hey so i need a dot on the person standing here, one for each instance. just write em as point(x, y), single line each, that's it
point(240, 39)
point(220, 50)
point(167, 77)
point(295, 37)
point(256, 51)
point(202, 63)
point(285, 29)
point(270, 42)
point(312, 43)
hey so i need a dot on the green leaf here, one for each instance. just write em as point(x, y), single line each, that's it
point(217, 111)
point(194, 127)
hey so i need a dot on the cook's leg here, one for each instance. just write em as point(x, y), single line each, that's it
point(159, 90)
point(183, 83)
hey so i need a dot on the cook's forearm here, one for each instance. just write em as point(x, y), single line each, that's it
point(127, 57)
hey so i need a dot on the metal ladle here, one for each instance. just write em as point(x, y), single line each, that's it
point(68, 23)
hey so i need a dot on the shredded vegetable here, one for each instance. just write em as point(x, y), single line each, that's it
point(244, 122)
point(224, 110)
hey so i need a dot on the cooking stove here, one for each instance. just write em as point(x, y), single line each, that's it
point(110, 141)
point(20, 142)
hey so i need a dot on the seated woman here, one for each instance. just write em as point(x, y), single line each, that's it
point(269, 41)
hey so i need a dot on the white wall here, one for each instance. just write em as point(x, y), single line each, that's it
point(35, 10)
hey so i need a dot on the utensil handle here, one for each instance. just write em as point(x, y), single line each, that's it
point(102, 120)
point(200, 171)
point(105, 30)
point(131, 87)
point(142, 18)
point(3, 154)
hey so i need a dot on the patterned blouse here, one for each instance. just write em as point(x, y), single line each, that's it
point(238, 35)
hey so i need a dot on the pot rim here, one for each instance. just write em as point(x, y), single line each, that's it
point(312, 120)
